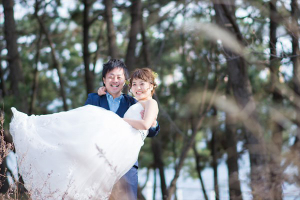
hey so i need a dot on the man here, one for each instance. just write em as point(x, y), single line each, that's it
point(114, 75)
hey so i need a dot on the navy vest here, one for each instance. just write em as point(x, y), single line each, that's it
point(101, 101)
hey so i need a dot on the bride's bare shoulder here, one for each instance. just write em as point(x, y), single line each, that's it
point(150, 102)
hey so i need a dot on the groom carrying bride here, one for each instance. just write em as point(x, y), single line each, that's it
point(114, 75)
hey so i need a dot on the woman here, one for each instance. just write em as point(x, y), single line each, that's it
point(67, 156)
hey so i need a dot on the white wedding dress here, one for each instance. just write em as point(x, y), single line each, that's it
point(78, 154)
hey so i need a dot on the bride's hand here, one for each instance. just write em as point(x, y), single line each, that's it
point(102, 91)
point(142, 114)
point(154, 124)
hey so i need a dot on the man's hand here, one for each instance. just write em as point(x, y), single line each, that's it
point(102, 91)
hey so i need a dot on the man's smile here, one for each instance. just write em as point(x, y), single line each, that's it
point(115, 86)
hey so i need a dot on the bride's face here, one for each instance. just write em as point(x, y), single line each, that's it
point(141, 89)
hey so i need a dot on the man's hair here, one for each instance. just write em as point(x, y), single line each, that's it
point(112, 64)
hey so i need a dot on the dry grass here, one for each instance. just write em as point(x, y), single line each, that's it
point(15, 190)
point(5, 147)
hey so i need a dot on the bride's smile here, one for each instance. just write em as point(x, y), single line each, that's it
point(141, 89)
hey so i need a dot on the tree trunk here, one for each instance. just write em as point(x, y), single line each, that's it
point(136, 16)
point(112, 46)
point(182, 157)
point(232, 159)
point(154, 184)
point(89, 76)
point(56, 64)
point(140, 196)
point(4, 185)
point(242, 91)
point(36, 74)
point(196, 124)
point(13, 58)
point(275, 150)
point(98, 50)
point(214, 153)
point(295, 12)
point(3, 85)
point(294, 32)
point(199, 169)
point(146, 52)
point(158, 163)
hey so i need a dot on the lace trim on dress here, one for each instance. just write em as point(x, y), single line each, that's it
point(143, 133)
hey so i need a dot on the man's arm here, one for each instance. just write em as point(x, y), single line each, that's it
point(91, 100)
point(153, 131)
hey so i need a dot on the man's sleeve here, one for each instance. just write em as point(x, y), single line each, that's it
point(153, 131)
point(89, 99)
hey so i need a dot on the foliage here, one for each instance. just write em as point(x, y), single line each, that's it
point(190, 62)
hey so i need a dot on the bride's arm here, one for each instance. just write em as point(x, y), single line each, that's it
point(151, 111)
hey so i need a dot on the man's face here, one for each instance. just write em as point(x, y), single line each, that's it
point(114, 81)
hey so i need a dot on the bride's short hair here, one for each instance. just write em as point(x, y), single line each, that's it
point(145, 74)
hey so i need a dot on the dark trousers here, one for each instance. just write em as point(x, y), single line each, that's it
point(126, 187)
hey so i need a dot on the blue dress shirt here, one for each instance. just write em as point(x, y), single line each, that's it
point(113, 103)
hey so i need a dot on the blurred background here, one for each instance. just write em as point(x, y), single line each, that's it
point(228, 86)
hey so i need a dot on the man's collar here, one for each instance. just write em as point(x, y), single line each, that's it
point(111, 97)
